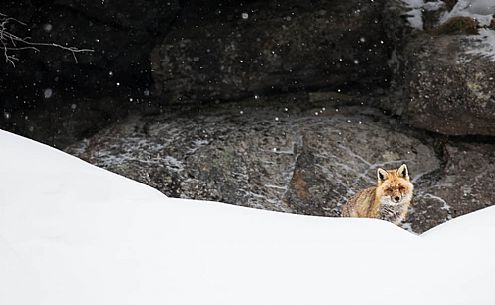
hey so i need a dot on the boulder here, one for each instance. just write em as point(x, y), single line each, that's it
point(462, 186)
point(340, 157)
point(304, 154)
point(444, 68)
point(448, 86)
point(230, 51)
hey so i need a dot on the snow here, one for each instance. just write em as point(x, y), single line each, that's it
point(415, 16)
point(47, 93)
point(71, 233)
point(482, 10)
point(483, 44)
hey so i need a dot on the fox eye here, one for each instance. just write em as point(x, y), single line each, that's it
point(390, 190)
point(401, 189)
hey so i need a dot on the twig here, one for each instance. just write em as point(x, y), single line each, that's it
point(12, 42)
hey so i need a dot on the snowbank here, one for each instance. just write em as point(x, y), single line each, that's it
point(71, 233)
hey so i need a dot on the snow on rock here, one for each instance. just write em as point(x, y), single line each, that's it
point(416, 8)
point(483, 44)
point(71, 233)
point(415, 17)
point(481, 10)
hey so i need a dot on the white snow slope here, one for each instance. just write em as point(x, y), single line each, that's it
point(72, 234)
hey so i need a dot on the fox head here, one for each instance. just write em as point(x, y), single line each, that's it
point(394, 186)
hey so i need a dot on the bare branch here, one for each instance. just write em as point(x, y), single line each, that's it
point(10, 42)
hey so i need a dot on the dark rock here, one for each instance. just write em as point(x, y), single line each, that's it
point(464, 185)
point(233, 51)
point(442, 81)
point(448, 90)
point(457, 25)
point(341, 157)
point(307, 159)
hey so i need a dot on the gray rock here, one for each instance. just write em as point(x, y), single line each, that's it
point(340, 157)
point(447, 90)
point(464, 185)
point(279, 46)
point(305, 154)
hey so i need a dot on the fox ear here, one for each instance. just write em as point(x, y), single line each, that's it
point(403, 172)
point(382, 175)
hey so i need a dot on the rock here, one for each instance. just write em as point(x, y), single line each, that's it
point(231, 51)
point(286, 158)
point(464, 185)
point(340, 157)
point(447, 89)
point(220, 157)
point(443, 77)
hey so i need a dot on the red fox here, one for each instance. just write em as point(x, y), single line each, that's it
point(389, 200)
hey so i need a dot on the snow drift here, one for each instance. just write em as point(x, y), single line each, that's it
point(71, 233)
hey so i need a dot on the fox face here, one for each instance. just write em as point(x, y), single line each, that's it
point(394, 186)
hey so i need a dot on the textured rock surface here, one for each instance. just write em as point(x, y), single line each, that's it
point(463, 185)
point(275, 46)
point(448, 90)
point(292, 160)
point(340, 157)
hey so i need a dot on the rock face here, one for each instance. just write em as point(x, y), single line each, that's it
point(340, 157)
point(286, 158)
point(447, 89)
point(275, 46)
point(462, 186)
point(444, 74)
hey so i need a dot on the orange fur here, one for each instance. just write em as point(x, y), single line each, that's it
point(388, 200)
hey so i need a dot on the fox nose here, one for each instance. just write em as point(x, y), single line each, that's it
point(396, 198)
